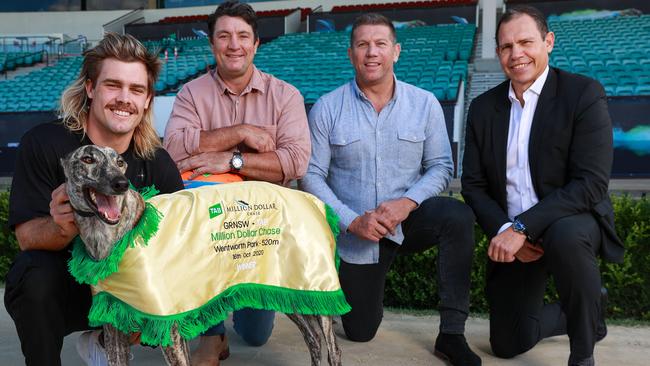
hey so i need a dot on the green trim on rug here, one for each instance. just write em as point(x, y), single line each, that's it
point(155, 330)
point(86, 269)
point(333, 221)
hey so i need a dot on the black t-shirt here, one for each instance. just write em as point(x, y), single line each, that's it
point(39, 171)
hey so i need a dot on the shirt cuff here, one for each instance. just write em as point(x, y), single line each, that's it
point(415, 197)
point(346, 216)
point(504, 227)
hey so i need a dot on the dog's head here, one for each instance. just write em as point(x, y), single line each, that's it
point(96, 182)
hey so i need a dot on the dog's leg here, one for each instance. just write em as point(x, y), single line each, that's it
point(178, 354)
point(333, 350)
point(311, 335)
point(117, 346)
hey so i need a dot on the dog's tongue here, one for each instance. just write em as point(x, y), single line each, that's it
point(107, 206)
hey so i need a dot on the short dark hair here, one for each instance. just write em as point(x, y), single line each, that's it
point(372, 19)
point(233, 8)
point(519, 10)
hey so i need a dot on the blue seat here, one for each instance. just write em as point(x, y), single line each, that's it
point(642, 90)
point(623, 90)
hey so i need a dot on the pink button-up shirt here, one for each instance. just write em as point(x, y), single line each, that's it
point(276, 106)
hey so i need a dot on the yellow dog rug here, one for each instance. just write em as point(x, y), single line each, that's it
point(198, 254)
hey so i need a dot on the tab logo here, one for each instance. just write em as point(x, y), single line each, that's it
point(215, 210)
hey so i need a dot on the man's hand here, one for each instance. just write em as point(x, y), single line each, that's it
point(208, 162)
point(505, 245)
point(393, 212)
point(257, 138)
point(529, 252)
point(367, 227)
point(62, 214)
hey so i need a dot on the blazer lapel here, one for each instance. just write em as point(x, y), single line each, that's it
point(500, 127)
point(541, 120)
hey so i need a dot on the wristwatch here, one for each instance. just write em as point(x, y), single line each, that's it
point(519, 227)
point(237, 161)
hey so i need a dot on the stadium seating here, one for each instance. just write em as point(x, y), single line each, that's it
point(260, 14)
point(400, 5)
point(11, 60)
point(41, 90)
point(433, 57)
point(193, 57)
point(616, 51)
point(38, 90)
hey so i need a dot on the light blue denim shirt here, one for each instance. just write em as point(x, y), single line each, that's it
point(361, 158)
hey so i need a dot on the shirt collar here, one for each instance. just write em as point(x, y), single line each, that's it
point(359, 93)
point(536, 87)
point(256, 82)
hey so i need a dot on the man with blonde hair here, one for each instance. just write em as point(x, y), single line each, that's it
point(110, 104)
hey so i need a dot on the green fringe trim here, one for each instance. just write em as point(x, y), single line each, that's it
point(146, 192)
point(333, 221)
point(87, 270)
point(155, 330)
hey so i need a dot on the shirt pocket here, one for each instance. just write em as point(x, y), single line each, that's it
point(410, 148)
point(345, 147)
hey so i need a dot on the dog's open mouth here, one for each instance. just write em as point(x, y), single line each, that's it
point(106, 207)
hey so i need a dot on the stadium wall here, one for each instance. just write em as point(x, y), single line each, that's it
point(90, 23)
point(557, 7)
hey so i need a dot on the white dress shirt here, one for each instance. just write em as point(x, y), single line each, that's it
point(519, 185)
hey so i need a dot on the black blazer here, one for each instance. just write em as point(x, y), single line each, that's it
point(570, 154)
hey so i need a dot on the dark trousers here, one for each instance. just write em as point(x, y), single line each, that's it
point(441, 221)
point(46, 304)
point(518, 316)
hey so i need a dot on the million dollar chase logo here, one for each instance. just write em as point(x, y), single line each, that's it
point(240, 205)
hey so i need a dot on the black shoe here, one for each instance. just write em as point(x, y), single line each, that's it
point(453, 348)
point(601, 331)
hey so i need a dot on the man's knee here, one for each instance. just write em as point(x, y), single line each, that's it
point(256, 339)
point(570, 237)
point(449, 209)
point(503, 348)
point(360, 332)
point(511, 345)
point(254, 326)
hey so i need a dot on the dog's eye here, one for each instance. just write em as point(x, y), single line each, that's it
point(88, 159)
point(120, 163)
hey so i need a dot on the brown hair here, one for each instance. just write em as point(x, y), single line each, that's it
point(75, 103)
point(233, 9)
point(372, 19)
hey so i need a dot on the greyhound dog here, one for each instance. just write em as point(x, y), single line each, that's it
point(105, 208)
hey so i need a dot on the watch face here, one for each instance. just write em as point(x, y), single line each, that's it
point(518, 227)
point(237, 162)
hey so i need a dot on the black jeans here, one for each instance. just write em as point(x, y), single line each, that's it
point(515, 291)
point(441, 221)
point(46, 304)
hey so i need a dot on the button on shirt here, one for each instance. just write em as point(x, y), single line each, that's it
point(361, 158)
point(519, 184)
